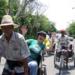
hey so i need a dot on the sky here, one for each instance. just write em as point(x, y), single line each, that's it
point(61, 12)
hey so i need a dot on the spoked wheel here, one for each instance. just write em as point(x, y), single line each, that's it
point(62, 64)
point(74, 59)
point(42, 71)
point(54, 61)
point(45, 71)
point(74, 62)
point(39, 71)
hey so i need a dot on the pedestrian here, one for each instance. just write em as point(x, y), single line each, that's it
point(13, 48)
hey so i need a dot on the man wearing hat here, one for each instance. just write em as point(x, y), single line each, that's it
point(14, 48)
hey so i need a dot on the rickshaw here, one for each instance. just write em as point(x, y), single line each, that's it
point(63, 57)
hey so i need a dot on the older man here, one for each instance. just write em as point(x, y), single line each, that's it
point(14, 48)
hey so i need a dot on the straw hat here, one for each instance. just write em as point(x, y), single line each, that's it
point(7, 20)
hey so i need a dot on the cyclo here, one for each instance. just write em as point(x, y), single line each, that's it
point(63, 55)
point(63, 52)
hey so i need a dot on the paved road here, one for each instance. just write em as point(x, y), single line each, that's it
point(55, 71)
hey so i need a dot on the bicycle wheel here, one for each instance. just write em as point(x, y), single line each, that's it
point(55, 59)
point(61, 64)
point(74, 59)
point(45, 71)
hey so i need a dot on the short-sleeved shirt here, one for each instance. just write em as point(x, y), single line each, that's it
point(63, 41)
point(16, 49)
point(35, 48)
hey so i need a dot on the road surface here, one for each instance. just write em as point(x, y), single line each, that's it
point(55, 71)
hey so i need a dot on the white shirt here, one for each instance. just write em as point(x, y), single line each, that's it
point(16, 49)
point(62, 41)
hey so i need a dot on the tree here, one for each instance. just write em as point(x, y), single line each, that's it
point(71, 29)
point(19, 6)
point(46, 24)
point(3, 7)
point(36, 23)
point(28, 13)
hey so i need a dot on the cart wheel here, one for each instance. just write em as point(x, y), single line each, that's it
point(40, 72)
point(55, 59)
point(45, 71)
point(74, 60)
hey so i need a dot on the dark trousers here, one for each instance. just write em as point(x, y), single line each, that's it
point(11, 68)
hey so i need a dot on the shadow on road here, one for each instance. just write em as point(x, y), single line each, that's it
point(70, 67)
point(64, 72)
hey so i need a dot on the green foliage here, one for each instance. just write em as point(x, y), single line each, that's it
point(35, 23)
point(71, 29)
point(45, 24)
point(3, 7)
